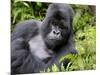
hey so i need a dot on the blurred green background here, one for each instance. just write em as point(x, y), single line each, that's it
point(84, 26)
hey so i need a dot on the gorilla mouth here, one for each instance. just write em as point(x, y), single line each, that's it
point(53, 41)
point(54, 38)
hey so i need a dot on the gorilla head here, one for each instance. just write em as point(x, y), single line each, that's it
point(57, 25)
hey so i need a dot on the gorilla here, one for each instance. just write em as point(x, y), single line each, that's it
point(36, 45)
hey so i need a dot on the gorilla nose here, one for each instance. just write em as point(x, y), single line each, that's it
point(56, 32)
point(46, 59)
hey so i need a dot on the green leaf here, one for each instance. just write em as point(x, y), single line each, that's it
point(55, 68)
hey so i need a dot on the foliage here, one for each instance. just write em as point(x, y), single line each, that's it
point(83, 26)
point(85, 59)
point(23, 10)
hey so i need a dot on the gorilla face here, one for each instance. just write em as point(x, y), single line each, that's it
point(57, 34)
point(56, 27)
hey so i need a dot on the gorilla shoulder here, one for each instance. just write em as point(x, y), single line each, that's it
point(26, 29)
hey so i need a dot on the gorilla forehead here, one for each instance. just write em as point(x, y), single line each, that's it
point(60, 11)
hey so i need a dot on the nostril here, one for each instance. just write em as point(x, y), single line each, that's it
point(54, 32)
point(57, 33)
point(47, 59)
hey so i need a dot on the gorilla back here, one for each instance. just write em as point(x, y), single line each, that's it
point(36, 46)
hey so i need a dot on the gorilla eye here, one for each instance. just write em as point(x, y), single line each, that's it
point(62, 27)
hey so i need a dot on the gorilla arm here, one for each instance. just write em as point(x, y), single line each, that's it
point(22, 61)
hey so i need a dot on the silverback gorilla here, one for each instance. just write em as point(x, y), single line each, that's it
point(36, 46)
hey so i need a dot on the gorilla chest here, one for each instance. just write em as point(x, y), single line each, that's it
point(38, 48)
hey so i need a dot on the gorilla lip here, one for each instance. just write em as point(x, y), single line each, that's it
point(53, 39)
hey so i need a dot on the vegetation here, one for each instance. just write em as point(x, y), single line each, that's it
point(84, 27)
